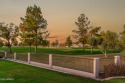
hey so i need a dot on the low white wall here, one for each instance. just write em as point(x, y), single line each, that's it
point(74, 72)
point(40, 64)
point(65, 70)
point(61, 69)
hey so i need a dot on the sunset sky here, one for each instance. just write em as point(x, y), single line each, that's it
point(62, 14)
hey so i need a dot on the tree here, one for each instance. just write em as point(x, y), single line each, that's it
point(93, 37)
point(1, 43)
point(92, 41)
point(122, 37)
point(83, 26)
point(110, 40)
point(8, 32)
point(27, 37)
point(68, 41)
point(55, 44)
point(35, 22)
point(62, 44)
point(15, 42)
point(45, 43)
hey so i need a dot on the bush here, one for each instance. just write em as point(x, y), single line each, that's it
point(114, 70)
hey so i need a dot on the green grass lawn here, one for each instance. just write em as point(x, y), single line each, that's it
point(118, 80)
point(28, 74)
point(72, 51)
point(22, 73)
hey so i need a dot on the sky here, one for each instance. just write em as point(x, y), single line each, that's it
point(62, 14)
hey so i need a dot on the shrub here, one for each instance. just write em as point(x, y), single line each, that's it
point(114, 70)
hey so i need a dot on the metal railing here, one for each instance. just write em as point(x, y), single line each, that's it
point(69, 63)
point(22, 56)
point(105, 61)
point(82, 64)
point(39, 57)
point(2, 54)
point(10, 55)
point(122, 60)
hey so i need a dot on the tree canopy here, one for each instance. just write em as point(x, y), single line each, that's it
point(35, 23)
point(83, 25)
point(8, 32)
point(68, 41)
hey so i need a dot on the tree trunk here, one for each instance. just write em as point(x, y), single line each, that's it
point(36, 48)
point(68, 46)
point(9, 49)
point(30, 48)
point(105, 53)
point(83, 47)
point(36, 42)
point(9, 46)
point(91, 49)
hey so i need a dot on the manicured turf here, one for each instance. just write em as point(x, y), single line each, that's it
point(29, 74)
point(118, 80)
point(22, 73)
point(71, 51)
